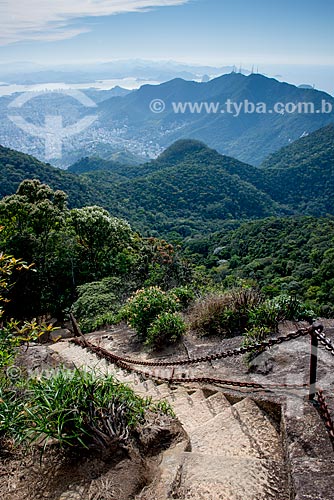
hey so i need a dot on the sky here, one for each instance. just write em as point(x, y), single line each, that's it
point(214, 32)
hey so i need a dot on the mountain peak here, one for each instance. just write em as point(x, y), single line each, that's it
point(180, 149)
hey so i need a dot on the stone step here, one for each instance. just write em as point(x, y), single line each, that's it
point(217, 403)
point(178, 394)
point(163, 391)
point(259, 428)
point(81, 358)
point(310, 453)
point(210, 477)
point(191, 409)
point(236, 433)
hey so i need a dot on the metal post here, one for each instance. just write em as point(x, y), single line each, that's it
point(313, 365)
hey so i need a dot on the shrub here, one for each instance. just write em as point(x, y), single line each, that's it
point(206, 317)
point(146, 305)
point(95, 298)
point(241, 309)
point(99, 302)
point(166, 329)
point(292, 308)
point(278, 309)
point(101, 321)
point(253, 335)
point(79, 409)
point(12, 414)
point(224, 314)
point(185, 295)
point(12, 332)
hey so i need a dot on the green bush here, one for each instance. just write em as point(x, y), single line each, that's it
point(99, 322)
point(77, 408)
point(292, 308)
point(185, 295)
point(99, 302)
point(281, 308)
point(12, 414)
point(95, 298)
point(241, 309)
point(252, 336)
point(166, 329)
point(146, 305)
point(13, 332)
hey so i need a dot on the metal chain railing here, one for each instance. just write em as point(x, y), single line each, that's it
point(315, 331)
point(108, 356)
point(325, 414)
point(302, 332)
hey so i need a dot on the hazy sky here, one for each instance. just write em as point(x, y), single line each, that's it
point(214, 32)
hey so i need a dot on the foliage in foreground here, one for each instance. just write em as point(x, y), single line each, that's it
point(12, 332)
point(77, 408)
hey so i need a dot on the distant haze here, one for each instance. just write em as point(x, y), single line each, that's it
point(131, 74)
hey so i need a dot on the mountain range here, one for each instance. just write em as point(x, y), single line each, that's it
point(79, 73)
point(125, 121)
point(191, 188)
point(249, 137)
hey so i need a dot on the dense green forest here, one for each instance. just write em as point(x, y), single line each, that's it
point(227, 223)
point(293, 255)
point(191, 189)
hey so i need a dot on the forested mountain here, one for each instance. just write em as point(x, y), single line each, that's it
point(118, 163)
point(248, 137)
point(191, 187)
point(16, 167)
point(302, 175)
point(210, 201)
point(195, 193)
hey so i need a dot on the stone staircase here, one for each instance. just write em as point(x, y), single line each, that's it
point(233, 451)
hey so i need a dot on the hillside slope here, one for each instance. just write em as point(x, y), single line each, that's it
point(302, 175)
point(190, 187)
point(16, 166)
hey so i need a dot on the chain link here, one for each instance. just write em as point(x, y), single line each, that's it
point(324, 412)
point(302, 332)
point(326, 342)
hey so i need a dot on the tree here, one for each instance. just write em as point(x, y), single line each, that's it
point(102, 240)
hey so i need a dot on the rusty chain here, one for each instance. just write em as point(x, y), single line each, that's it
point(125, 364)
point(108, 356)
point(302, 332)
point(324, 412)
point(326, 342)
